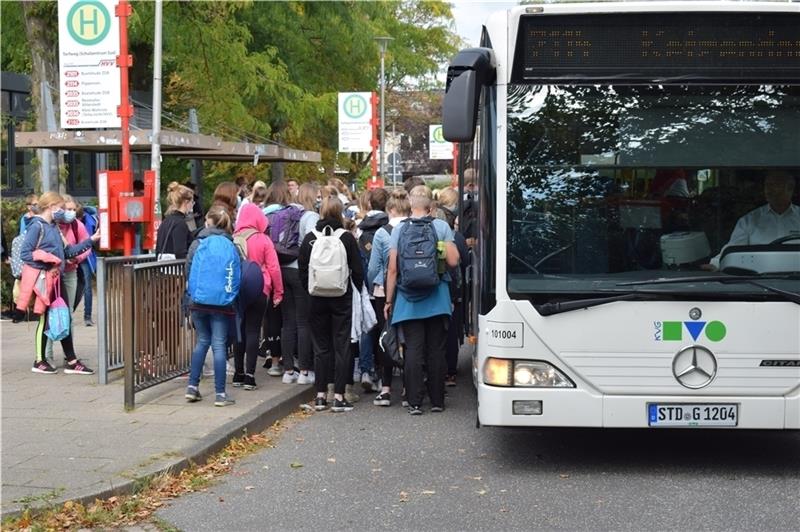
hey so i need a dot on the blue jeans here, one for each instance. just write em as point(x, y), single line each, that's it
point(365, 352)
point(87, 290)
point(212, 330)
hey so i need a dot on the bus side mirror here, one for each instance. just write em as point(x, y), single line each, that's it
point(460, 108)
point(468, 72)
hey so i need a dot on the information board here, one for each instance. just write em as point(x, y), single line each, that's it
point(89, 80)
point(355, 122)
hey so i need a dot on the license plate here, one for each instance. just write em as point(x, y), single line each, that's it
point(692, 415)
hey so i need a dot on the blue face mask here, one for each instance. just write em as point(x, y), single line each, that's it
point(69, 216)
point(58, 215)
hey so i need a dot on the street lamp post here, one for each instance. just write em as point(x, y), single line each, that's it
point(383, 42)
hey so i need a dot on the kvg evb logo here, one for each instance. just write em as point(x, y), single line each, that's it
point(673, 331)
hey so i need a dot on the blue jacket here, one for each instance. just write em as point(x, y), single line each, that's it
point(90, 222)
point(52, 242)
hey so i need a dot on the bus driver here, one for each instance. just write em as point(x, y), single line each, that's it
point(765, 224)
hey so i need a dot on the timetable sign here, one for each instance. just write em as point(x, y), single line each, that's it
point(89, 80)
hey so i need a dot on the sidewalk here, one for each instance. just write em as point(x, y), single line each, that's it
point(66, 437)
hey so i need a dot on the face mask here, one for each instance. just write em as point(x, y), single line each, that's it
point(69, 216)
point(35, 209)
point(238, 202)
point(317, 205)
point(58, 215)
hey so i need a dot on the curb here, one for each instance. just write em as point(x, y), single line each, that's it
point(253, 421)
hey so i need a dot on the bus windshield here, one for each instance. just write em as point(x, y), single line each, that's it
point(610, 184)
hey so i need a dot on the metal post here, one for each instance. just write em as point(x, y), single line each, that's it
point(128, 309)
point(383, 42)
point(102, 323)
point(394, 159)
point(197, 164)
point(155, 154)
point(125, 111)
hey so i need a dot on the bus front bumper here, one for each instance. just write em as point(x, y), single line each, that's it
point(579, 408)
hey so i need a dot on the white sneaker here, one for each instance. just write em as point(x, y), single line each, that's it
point(306, 378)
point(366, 381)
point(229, 370)
point(290, 377)
point(274, 371)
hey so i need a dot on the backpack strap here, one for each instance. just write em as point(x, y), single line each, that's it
point(247, 233)
point(160, 244)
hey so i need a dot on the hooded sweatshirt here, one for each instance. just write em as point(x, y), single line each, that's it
point(350, 245)
point(260, 248)
point(75, 233)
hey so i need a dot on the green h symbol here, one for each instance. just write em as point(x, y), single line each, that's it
point(355, 106)
point(84, 22)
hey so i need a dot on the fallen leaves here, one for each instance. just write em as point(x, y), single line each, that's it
point(403, 496)
point(428, 492)
point(332, 460)
point(120, 511)
point(295, 465)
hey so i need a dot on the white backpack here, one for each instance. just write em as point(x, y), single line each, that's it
point(328, 270)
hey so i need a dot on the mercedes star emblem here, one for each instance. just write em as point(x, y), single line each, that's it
point(694, 367)
point(695, 314)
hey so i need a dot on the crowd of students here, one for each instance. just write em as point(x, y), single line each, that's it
point(308, 276)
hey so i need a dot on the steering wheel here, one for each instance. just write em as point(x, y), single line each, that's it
point(784, 239)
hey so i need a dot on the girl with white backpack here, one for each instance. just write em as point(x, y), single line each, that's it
point(329, 261)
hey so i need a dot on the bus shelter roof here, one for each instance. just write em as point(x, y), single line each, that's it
point(173, 144)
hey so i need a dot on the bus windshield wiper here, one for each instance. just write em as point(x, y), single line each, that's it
point(794, 297)
point(557, 307)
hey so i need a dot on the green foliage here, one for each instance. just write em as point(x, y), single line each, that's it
point(15, 54)
point(272, 69)
point(11, 210)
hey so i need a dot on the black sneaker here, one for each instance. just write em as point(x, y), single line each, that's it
point(384, 399)
point(341, 406)
point(437, 409)
point(238, 380)
point(249, 382)
point(78, 368)
point(44, 367)
point(192, 394)
point(320, 404)
point(415, 410)
point(450, 381)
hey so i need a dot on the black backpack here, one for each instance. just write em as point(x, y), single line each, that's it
point(417, 259)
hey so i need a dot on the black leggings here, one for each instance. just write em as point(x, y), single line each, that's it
point(384, 361)
point(330, 320)
point(295, 333)
point(250, 329)
point(40, 340)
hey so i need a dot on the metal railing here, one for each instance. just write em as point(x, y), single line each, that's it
point(156, 336)
point(109, 312)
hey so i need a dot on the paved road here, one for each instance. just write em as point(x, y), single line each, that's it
point(382, 469)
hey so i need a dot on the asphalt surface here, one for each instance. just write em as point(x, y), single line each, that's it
point(381, 469)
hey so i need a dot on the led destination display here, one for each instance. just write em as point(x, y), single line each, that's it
point(668, 47)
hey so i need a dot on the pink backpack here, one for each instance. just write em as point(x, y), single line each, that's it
point(58, 316)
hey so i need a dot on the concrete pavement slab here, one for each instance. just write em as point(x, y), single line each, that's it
point(66, 437)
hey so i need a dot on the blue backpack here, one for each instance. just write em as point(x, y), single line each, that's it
point(417, 259)
point(216, 272)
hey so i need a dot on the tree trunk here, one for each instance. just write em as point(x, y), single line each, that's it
point(41, 28)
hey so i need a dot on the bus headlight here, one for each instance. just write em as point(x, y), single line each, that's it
point(524, 374)
point(539, 374)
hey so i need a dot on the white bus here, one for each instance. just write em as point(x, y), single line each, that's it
point(636, 212)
